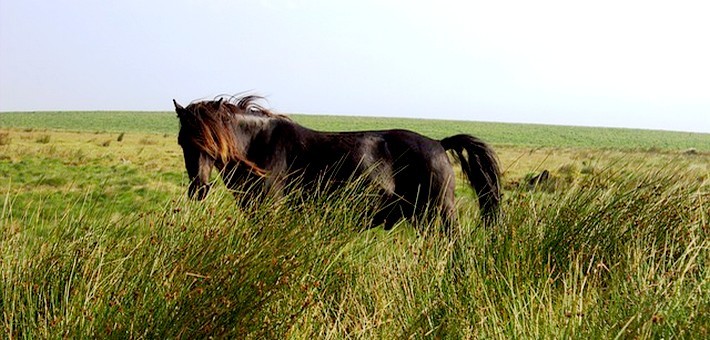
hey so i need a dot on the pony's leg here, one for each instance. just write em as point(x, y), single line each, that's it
point(249, 195)
point(278, 179)
point(441, 202)
point(388, 213)
point(383, 216)
point(389, 223)
point(379, 219)
point(246, 187)
point(447, 206)
point(448, 215)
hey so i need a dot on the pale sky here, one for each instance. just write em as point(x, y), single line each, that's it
point(640, 64)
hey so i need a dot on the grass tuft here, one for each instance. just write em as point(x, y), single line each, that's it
point(5, 138)
point(44, 139)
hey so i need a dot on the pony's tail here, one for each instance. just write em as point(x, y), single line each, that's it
point(480, 165)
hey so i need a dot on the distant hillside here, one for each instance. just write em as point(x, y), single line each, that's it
point(495, 133)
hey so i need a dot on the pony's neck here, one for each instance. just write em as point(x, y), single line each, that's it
point(248, 127)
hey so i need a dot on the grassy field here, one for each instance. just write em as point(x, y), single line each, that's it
point(98, 239)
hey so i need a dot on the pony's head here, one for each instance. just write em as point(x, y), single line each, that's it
point(210, 135)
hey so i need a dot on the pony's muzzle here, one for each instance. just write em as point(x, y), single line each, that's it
point(198, 191)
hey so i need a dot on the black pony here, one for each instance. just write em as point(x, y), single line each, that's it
point(249, 144)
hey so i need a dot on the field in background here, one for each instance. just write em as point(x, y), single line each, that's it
point(98, 239)
point(495, 133)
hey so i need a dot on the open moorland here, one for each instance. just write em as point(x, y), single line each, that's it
point(98, 239)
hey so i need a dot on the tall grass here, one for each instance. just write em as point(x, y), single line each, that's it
point(619, 253)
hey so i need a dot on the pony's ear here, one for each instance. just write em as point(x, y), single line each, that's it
point(217, 103)
point(177, 106)
point(178, 109)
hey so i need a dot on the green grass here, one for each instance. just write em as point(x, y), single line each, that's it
point(522, 134)
point(98, 240)
point(497, 133)
point(100, 121)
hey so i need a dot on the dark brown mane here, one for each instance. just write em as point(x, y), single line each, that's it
point(248, 104)
point(233, 105)
point(210, 125)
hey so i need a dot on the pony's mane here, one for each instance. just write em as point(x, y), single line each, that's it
point(210, 130)
point(234, 105)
